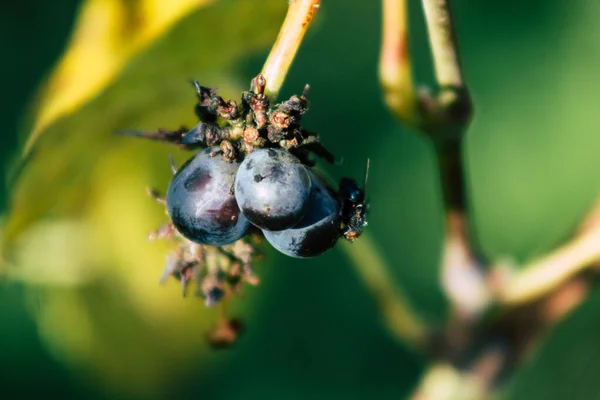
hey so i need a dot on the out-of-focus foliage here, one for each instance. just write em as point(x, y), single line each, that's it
point(107, 35)
point(79, 213)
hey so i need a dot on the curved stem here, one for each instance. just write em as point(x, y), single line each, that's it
point(399, 316)
point(299, 16)
point(549, 272)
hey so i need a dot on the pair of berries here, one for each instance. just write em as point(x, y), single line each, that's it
point(214, 202)
point(254, 169)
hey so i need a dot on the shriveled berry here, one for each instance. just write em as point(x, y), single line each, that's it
point(201, 203)
point(318, 231)
point(272, 188)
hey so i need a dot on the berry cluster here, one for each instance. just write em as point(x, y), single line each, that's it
point(253, 178)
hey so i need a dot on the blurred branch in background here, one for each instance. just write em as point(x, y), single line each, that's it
point(547, 273)
point(462, 276)
point(299, 16)
point(474, 352)
point(446, 120)
point(399, 316)
point(443, 117)
point(444, 45)
point(395, 70)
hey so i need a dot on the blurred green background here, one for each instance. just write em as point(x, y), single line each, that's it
point(80, 323)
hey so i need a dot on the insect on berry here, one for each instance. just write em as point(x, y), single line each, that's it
point(354, 206)
point(251, 174)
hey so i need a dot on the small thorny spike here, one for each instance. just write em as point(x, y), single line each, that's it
point(172, 164)
point(156, 195)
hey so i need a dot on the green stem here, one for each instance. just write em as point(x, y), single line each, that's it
point(399, 315)
point(299, 16)
point(395, 72)
point(444, 45)
point(549, 272)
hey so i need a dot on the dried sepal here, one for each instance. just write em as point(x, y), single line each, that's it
point(241, 129)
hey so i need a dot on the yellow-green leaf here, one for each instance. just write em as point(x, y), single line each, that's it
point(75, 232)
point(108, 33)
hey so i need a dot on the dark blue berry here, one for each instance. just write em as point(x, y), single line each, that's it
point(319, 229)
point(272, 189)
point(201, 203)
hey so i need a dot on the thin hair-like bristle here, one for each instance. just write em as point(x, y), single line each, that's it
point(366, 175)
point(172, 164)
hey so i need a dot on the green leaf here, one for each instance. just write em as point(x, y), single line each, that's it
point(108, 34)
